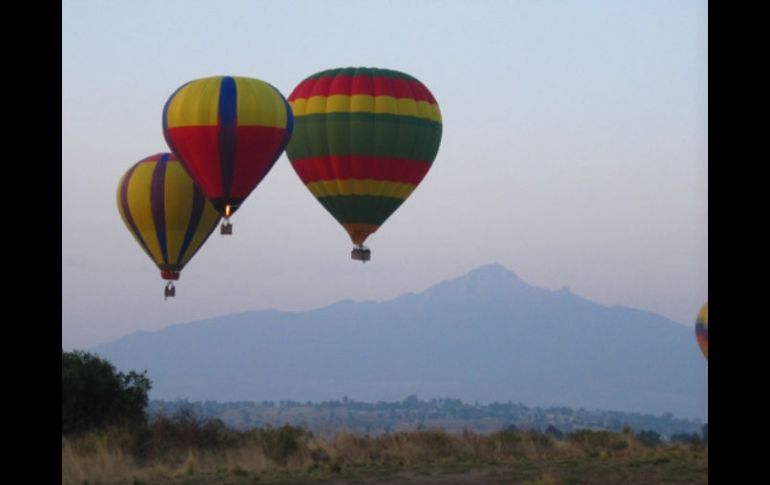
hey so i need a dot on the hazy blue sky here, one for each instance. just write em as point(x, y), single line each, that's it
point(574, 152)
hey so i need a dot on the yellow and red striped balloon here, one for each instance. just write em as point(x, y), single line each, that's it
point(228, 132)
point(702, 329)
point(166, 213)
point(364, 138)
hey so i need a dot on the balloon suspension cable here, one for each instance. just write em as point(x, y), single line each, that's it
point(170, 291)
point(361, 253)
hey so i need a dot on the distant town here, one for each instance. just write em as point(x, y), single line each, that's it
point(452, 415)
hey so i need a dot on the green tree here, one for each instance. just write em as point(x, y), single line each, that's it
point(94, 395)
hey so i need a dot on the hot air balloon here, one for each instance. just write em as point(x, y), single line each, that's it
point(702, 329)
point(167, 214)
point(364, 138)
point(228, 131)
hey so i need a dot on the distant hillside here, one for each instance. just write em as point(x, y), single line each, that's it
point(486, 336)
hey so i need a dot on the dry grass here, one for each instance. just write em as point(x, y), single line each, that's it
point(292, 455)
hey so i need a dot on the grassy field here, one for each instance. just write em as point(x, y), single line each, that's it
point(192, 453)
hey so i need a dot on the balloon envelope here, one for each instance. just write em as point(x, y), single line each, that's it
point(364, 138)
point(166, 213)
point(702, 329)
point(228, 131)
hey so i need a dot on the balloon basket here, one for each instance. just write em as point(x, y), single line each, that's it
point(226, 229)
point(170, 291)
point(361, 254)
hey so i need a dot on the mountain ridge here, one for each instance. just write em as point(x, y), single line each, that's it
point(486, 335)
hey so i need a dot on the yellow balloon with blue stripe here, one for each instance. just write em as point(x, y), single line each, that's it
point(166, 213)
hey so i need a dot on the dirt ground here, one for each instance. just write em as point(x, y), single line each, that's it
point(572, 472)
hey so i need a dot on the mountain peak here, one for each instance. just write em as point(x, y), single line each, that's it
point(494, 275)
point(486, 335)
point(493, 270)
point(490, 281)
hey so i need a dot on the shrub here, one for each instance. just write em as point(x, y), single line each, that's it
point(648, 438)
point(595, 443)
point(554, 431)
point(689, 438)
point(279, 444)
point(184, 430)
point(95, 396)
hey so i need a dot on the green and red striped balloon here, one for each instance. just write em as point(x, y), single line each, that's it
point(363, 139)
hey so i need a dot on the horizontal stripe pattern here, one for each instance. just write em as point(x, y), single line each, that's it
point(364, 103)
point(360, 209)
point(371, 81)
point(164, 211)
point(403, 171)
point(363, 139)
point(330, 188)
point(353, 71)
point(364, 134)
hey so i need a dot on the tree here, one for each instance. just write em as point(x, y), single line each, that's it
point(411, 401)
point(554, 431)
point(94, 395)
point(691, 438)
point(649, 438)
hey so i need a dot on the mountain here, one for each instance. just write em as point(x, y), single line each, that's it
point(485, 336)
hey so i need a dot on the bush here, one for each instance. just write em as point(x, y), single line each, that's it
point(279, 444)
point(554, 431)
point(185, 430)
point(505, 443)
point(688, 438)
point(596, 443)
point(649, 438)
point(95, 396)
point(542, 442)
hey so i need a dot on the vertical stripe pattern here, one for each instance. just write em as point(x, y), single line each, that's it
point(228, 132)
point(165, 212)
point(702, 329)
point(227, 135)
point(157, 196)
point(363, 139)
